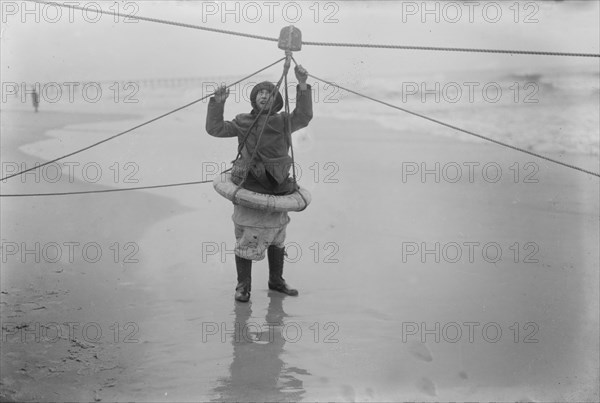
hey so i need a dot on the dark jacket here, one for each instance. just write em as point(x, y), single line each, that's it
point(269, 171)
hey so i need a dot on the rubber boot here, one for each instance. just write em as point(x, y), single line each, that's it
point(244, 277)
point(276, 281)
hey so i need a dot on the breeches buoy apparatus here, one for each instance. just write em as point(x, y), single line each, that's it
point(290, 39)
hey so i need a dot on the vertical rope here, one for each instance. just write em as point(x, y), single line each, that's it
point(288, 133)
point(288, 129)
point(262, 129)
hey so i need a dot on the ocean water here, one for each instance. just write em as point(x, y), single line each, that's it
point(556, 111)
point(553, 111)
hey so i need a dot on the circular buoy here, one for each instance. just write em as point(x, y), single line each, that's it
point(296, 201)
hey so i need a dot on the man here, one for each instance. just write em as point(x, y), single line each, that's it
point(264, 168)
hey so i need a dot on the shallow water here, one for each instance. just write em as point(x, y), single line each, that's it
point(373, 323)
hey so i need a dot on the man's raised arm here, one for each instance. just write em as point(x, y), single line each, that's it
point(303, 113)
point(215, 125)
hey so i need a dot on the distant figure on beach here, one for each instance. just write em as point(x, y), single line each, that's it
point(258, 231)
point(35, 99)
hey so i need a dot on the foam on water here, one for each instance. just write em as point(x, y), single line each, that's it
point(543, 112)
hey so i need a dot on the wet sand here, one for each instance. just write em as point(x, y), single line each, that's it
point(371, 323)
point(59, 338)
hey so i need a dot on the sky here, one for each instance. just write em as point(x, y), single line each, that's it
point(39, 45)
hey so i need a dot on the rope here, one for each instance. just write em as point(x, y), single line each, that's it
point(247, 134)
point(159, 21)
point(288, 136)
point(262, 129)
point(136, 127)
point(287, 127)
point(443, 49)
point(459, 129)
point(330, 44)
point(105, 190)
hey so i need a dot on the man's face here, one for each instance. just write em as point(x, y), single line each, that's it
point(263, 99)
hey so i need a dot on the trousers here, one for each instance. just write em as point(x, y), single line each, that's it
point(255, 230)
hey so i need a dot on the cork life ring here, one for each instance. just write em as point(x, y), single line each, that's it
point(296, 201)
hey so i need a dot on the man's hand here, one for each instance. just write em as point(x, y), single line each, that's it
point(221, 94)
point(301, 74)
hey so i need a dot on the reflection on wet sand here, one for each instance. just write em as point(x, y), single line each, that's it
point(257, 372)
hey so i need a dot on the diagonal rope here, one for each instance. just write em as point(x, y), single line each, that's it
point(105, 190)
point(158, 21)
point(136, 127)
point(312, 43)
point(247, 134)
point(458, 128)
point(262, 129)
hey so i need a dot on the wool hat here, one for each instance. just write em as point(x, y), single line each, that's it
point(269, 86)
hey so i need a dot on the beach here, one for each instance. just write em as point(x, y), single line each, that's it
point(505, 307)
point(55, 300)
point(433, 264)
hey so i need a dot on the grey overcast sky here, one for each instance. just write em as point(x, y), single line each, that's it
point(71, 48)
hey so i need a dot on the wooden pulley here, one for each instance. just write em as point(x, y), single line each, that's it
point(290, 39)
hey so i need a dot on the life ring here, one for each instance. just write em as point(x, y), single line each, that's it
point(296, 201)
